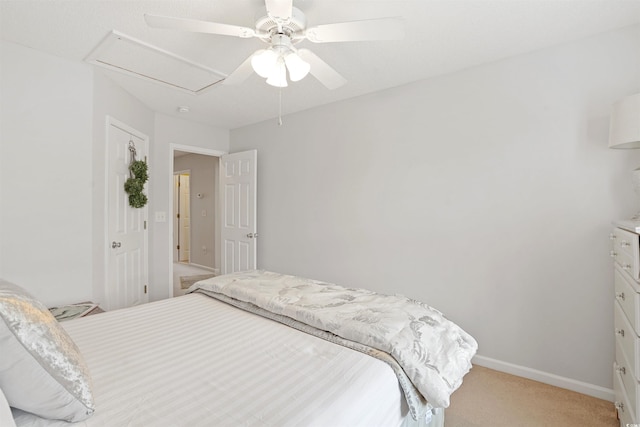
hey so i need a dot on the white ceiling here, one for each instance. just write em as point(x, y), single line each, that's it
point(442, 36)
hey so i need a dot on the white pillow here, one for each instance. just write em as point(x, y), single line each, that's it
point(41, 369)
point(6, 419)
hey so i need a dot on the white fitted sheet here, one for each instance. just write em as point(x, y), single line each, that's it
point(196, 361)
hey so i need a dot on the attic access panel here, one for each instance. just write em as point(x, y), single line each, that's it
point(124, 54)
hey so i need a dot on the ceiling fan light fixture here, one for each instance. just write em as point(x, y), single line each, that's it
point(298, 68)
point(278, 77)
point(264, 62)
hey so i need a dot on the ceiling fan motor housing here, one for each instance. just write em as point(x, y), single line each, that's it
point(266, 24)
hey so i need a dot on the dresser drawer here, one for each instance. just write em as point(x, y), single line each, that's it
point(622, 401)
point(626, 251)
point(629, 382)
point(627, 297)
point(626, 263)
point(627, 339)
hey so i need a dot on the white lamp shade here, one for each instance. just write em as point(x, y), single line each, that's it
point(624, 130)
point(298, 68)
point(278, 77)
point(264, 62)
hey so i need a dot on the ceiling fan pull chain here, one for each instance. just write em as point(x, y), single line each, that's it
point(280, 106)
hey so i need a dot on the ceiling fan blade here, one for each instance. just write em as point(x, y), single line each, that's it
point(371, 29)
point(195, 26)
point(321, 70)
point(282, 9)
point(243, 71)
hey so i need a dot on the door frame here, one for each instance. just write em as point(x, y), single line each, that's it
point(192, 150)
point(182, 172)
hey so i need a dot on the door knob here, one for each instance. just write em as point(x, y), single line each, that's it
point(115, 244)
point(252, 235)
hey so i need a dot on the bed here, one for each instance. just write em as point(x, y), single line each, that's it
point(211, 359)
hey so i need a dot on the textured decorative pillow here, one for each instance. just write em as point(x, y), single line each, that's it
point(41, 369)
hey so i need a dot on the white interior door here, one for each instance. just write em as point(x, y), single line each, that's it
point(127, 257)
point(239, 232)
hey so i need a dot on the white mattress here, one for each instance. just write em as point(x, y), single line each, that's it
point(195, 361)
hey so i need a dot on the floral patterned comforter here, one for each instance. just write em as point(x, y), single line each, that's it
point(433, 352)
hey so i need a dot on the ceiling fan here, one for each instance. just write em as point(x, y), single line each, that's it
point(281, 27)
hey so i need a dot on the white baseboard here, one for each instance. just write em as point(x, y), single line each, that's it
point(204, 267)
point(545, 377)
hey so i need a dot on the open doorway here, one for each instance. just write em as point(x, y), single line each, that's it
point(195, 224)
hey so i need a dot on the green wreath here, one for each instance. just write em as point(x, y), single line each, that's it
point(134, 186)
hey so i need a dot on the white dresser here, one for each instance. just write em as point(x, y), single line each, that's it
point(625, 250)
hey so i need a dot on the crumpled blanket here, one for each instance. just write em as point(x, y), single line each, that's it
point(433, 352)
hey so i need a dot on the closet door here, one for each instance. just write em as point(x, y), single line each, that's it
point(127, 266)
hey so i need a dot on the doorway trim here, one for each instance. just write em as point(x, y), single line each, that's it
point(180, 173)
point(193, 150)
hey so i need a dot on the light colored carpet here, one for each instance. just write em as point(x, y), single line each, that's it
point(489, 398)
point(187, 281)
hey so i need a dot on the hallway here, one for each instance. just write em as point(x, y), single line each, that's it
point(182, 269)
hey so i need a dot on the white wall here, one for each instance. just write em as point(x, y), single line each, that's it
point(52, 177)
point(45, 174)
point(109, 99)
point(163, 130)
point(170, 130)
point(487, 193)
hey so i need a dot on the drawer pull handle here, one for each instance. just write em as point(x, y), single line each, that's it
point(619, 406)
point(625, 244)
point(613, 254)
point(620, 296)
point(621, 370)
point(620, 332)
